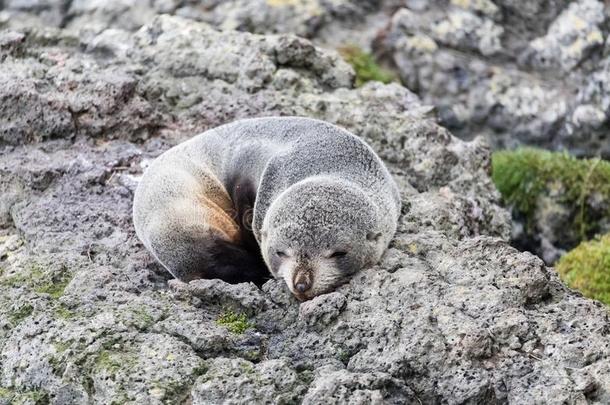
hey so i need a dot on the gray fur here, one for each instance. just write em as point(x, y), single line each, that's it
point(319, 190)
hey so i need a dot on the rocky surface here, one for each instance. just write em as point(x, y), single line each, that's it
point(306, 18)
point(515, 72)
point(452, 314)
point(490, 71)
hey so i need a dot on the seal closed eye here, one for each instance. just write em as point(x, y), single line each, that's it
point(288, 197)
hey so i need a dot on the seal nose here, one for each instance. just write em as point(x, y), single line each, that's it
point(302, 282)
point(302, 286)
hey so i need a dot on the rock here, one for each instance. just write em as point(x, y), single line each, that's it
point(273, 381)
point(587, 115)
point(451, 314)
point(304, 18)
point(341, 386)
point(464, 29)
point(510, 99)
point(570, 37)
point(242, 297)
point(506, 70)
point(323, 309)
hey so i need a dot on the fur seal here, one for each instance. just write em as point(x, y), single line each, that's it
point(304, 199)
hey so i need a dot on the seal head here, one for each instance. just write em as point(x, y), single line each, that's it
point(318, 233)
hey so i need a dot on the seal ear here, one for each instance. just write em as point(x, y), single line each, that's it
point(373, 236)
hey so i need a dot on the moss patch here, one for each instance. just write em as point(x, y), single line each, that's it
point(365, 66)
point(142, 319)
point(56, 286)
point(105, 360)
point(27, 276)
point(343, 356)
point(235, 323)
point(5, 393)
point(34, 278)
point(112, 361)
point(587, 269)
point(61, 346)
point(36, 397)
point(523, 175)
point(61, 312)
point(17, 316)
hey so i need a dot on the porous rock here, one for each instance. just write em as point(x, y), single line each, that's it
point(513, 71)
point(452, 314)
point(506, 77)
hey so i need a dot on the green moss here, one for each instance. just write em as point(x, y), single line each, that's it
point(200, 370)
point(523, 175)
point(112, 360)
point(57, 365)
point(27, 276)
point(246, 367)
point(5, 393)
point(235, 323)
point(20, 314)
point(32, 277)
point(57, 361)
point(107, 361)
point(56, 286)
point(252, 355)
point(343, 356)
point(62, 346)
point(37, 397)
point(587, 268)
point(365, 66)
point(142, 319)
point(62, 312)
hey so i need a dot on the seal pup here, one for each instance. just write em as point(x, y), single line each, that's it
point(292, 197)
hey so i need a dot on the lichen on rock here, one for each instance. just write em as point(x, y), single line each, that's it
point(570, 37)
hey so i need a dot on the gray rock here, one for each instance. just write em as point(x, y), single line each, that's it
point(452, 314)
point(332, 386)
point(525, 94)
point(493, 79)
point(570, 37)
point(245, 297)
point(322, 309)
point(235, 381)
point(304, 18)
point(506, 70)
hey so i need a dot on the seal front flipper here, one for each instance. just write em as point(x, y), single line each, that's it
point(234, 264)
point(191, 254)
point(242, 191)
